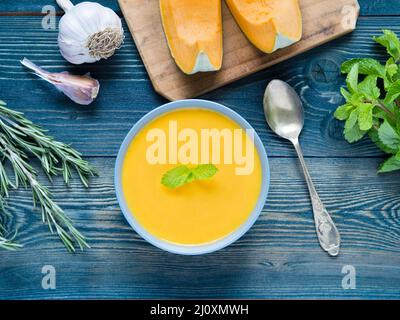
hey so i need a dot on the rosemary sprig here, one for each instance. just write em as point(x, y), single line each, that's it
point(8, 244)
point(20, 138)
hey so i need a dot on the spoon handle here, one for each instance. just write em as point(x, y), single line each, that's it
point(328, 234)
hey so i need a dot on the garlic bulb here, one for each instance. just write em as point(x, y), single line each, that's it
point(88, 32)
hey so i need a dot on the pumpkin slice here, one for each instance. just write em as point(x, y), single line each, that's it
point(268, 24)
point(194, 33)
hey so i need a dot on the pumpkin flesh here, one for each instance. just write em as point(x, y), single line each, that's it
point(193, 30)
point(268, 24)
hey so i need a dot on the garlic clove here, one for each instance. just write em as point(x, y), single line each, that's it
point(80, 89)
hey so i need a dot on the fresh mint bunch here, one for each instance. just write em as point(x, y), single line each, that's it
point(373, 101)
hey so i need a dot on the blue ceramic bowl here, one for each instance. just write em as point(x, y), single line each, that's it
point(203, 248)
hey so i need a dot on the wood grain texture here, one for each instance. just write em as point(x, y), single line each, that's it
point(368, 7)
point(278, 258)
point(126, 93)
point(323, 21)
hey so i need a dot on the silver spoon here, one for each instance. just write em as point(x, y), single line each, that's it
point(285, 115)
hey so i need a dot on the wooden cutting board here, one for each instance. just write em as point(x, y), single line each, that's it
point(323, 21)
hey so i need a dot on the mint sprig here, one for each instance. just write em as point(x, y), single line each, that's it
point(182, 175)
point(373, 100)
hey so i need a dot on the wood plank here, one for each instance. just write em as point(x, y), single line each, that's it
point(126, 93)
point(380, 7)
point(278, 258)
point(323, 21)
point(368, 7)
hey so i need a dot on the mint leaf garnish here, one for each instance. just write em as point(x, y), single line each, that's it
point(176, 177)
point(182, 175)
point(204, 171)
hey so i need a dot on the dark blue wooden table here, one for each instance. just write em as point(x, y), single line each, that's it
point(280, 256)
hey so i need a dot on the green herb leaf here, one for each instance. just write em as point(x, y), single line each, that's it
point(346, 94)
point(352, 131)
point(204, 171)
point(176, 177)
point(352, 120)
point(365, 119)
point(354, 134)
point(367, 66)
point(391, 42)
point(391, 73)
point(391, 164)
point(388, 136)
point(369, 88)
point(352, 79)
point(373, 134)
point(393, 92)
point(182, 175)
point(343, 112)
point(391, 68)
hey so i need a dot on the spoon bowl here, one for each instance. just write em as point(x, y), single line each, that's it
point(283, 110)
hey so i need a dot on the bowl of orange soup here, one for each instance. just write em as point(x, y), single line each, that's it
point(201, 216)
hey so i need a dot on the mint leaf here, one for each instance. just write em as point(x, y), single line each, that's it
point(397, 156)
point(369, 88)
point(346, 94)
point(388, 136)
point(354, 134)
point(182, 175)
point(367, 66)
point(352, 79)
point(391, 42)
point(343, 112)
point(391, 68)
point(352, 131)
point(391, 164)
point(176, 177)
point(365, 119)
point(373, 134)
point(391, 73)
point(393, 92)
point(204, 171)
point(357, 98)
point(352, 120)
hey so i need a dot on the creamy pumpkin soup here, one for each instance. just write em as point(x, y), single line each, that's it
point(202, 211)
